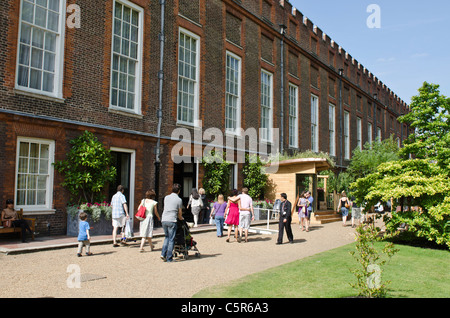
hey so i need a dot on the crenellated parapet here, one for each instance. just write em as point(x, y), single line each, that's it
point(302, 32)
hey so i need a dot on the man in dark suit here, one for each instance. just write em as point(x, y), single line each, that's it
point(285, 220)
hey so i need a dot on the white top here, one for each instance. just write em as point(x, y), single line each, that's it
point(195, 202)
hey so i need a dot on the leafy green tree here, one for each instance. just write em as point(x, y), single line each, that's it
point(365, 161)
point(217, 174)
point(430, 118)
point(255, 178)
point(339, 182)
point(422, 181)
point(87, 169)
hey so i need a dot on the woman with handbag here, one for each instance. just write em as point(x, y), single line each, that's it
point(303, 204)
point(10, 218)
point(344, 206)
point(146, 223)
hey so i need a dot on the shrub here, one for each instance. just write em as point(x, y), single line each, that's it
point(368, 275)
point(217, 174)
point(255, 178)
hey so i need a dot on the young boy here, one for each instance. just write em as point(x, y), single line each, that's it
point(83, 235)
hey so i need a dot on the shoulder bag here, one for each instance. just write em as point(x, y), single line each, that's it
point(140, 215)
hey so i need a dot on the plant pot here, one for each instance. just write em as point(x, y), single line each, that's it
point(101, 227)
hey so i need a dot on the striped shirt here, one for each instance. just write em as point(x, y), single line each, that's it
point(117, 202)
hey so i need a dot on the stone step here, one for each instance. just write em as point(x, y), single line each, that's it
point(323, 217)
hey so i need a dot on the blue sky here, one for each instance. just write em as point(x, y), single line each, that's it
point(411, 46)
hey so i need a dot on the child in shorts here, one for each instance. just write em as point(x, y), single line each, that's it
point(83, 235)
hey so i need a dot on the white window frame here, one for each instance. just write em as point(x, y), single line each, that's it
point(266, 132)
point(49, 187)
point(314, 123)
point(236, 130)
point(233, 175)
point(332, 128)
point(378, 134)
point(346, 135)
point(59, 53)
point(139, 60)
point(132, 152)
point(369, 133)
point(359, 132)
point(196, 90)
point(293, 115)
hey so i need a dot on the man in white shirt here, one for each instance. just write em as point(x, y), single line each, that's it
point(119, 214)
point(246, 214)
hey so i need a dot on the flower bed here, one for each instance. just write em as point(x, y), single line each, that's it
point(99, 218)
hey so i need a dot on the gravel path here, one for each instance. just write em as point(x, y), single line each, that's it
point(128, 273)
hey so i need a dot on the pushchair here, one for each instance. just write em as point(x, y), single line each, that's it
point(184, 241)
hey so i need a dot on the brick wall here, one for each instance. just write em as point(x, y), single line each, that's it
point(248, 29)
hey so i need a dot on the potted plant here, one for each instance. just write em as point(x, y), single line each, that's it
point(87, 169)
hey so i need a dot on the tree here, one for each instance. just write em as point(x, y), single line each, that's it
point(365, 161)
point(255, 178)
point(87, 169)
point(430, 117)
point(423, 181)
point(339, 182)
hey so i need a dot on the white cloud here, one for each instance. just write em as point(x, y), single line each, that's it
point(419, 55)
point(385, 60)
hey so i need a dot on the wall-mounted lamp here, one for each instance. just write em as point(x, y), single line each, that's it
point(283, 29)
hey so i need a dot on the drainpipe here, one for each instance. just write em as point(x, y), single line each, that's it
point(283, 32)
point(159, 113)
point(375, 128)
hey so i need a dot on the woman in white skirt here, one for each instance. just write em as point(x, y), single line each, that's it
point(146, 225)
point(196, 203)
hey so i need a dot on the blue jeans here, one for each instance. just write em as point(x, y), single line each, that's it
point(219, 224)
point(170, 230)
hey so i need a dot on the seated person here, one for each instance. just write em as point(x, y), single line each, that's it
point(10, 218)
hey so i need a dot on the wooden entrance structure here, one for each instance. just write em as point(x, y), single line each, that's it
point(292, 178)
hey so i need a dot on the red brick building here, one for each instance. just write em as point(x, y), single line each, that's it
point(221, 67)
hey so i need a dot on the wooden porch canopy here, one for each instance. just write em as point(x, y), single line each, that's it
point(285, 178)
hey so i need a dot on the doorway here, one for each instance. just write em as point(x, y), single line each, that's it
point(307, 182)
point(186, 174)
point(124, 162)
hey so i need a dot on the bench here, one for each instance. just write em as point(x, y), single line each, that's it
point(13, 229)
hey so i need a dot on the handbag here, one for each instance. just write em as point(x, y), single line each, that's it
point(140, 215)
point(347, 205)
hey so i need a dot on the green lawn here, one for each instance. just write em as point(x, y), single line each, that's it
point(414, 273)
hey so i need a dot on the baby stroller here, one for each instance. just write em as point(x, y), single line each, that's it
point(184, 241)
